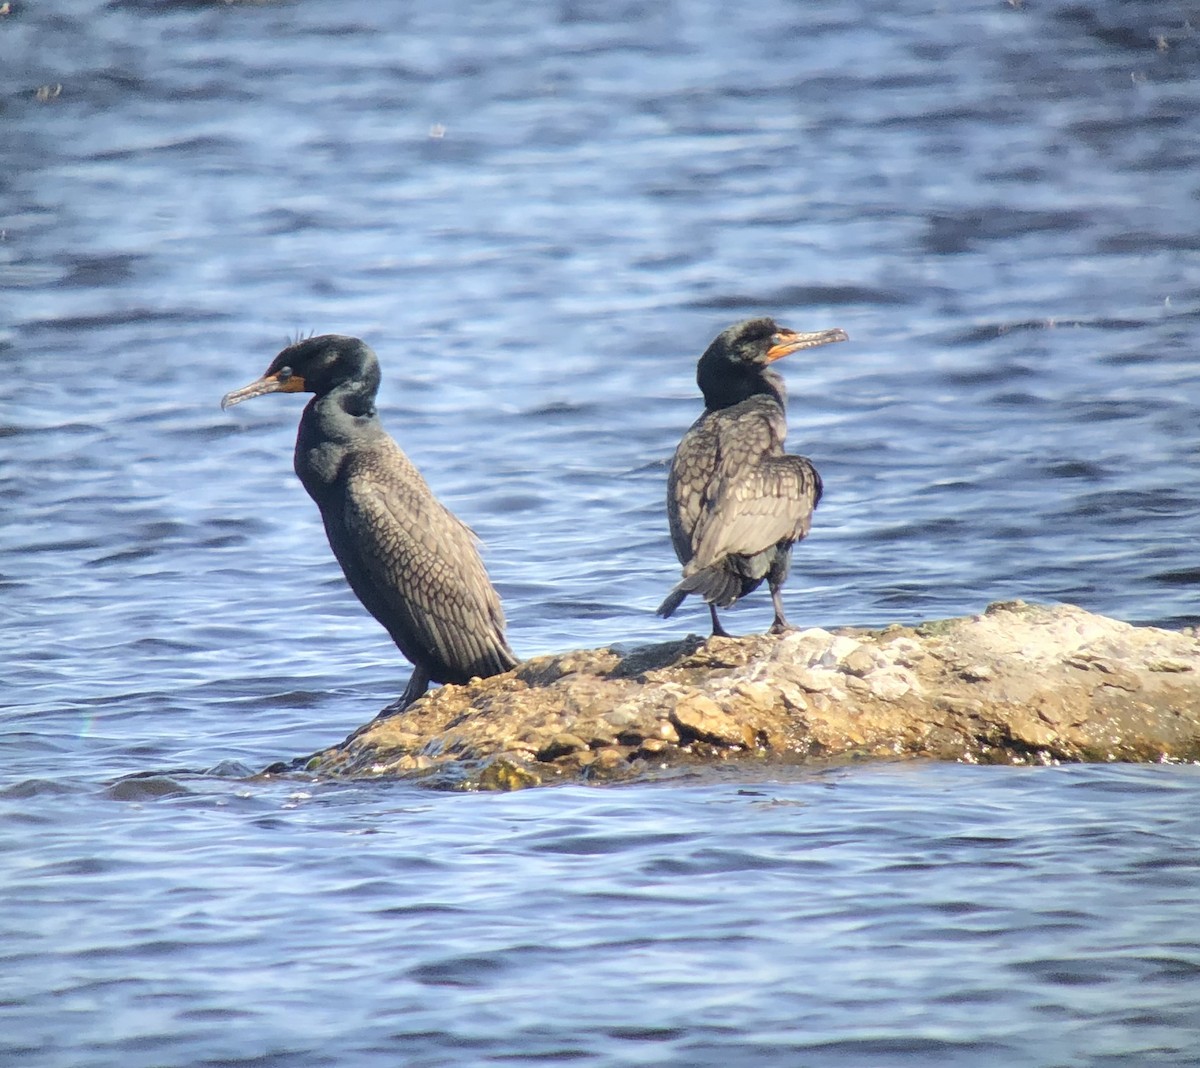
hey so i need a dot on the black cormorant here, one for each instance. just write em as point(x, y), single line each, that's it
point(736, 501)
point(411, 561)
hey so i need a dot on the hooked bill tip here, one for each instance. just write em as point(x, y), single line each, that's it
point(789, 341)
point(266, 384)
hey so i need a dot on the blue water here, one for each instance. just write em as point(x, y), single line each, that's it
point(538, 215)
point(911, 915)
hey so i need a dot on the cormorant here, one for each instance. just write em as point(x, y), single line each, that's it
point(736, 501)
point(411, 561)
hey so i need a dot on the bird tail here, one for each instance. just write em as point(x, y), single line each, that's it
point(495, 658)
point(505, 659)
point(673, 601)
point(715, 584)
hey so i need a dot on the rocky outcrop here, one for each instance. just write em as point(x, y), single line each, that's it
point(1018, 684)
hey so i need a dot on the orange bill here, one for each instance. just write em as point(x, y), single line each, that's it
point(788, 341)
point(276, 383)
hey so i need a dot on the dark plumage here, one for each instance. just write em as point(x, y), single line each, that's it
point(736, 501)
point(412, 562)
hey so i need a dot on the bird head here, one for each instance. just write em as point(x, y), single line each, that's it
point(314, 365)
point(737, 363)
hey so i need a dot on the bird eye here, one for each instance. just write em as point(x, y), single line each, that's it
point(283, 374)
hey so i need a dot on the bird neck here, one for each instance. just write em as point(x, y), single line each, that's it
point(332, 425)
point(732, 388)
point(344, 412)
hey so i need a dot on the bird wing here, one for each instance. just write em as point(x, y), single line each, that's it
point(753, 509)
point(689, 484)
point(733, 490)
point(718, 448)
point(422, 563)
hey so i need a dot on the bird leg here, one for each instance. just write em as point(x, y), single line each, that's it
point(418, 683)
point(779, 625)
point(718, 630)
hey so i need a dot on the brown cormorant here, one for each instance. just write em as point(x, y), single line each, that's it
point(411, 561)
point(736, 501)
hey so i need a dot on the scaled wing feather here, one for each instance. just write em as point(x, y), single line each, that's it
point(772, 503)
point(436, 582)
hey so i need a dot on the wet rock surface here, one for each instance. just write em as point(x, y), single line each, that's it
point(1018, 684)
